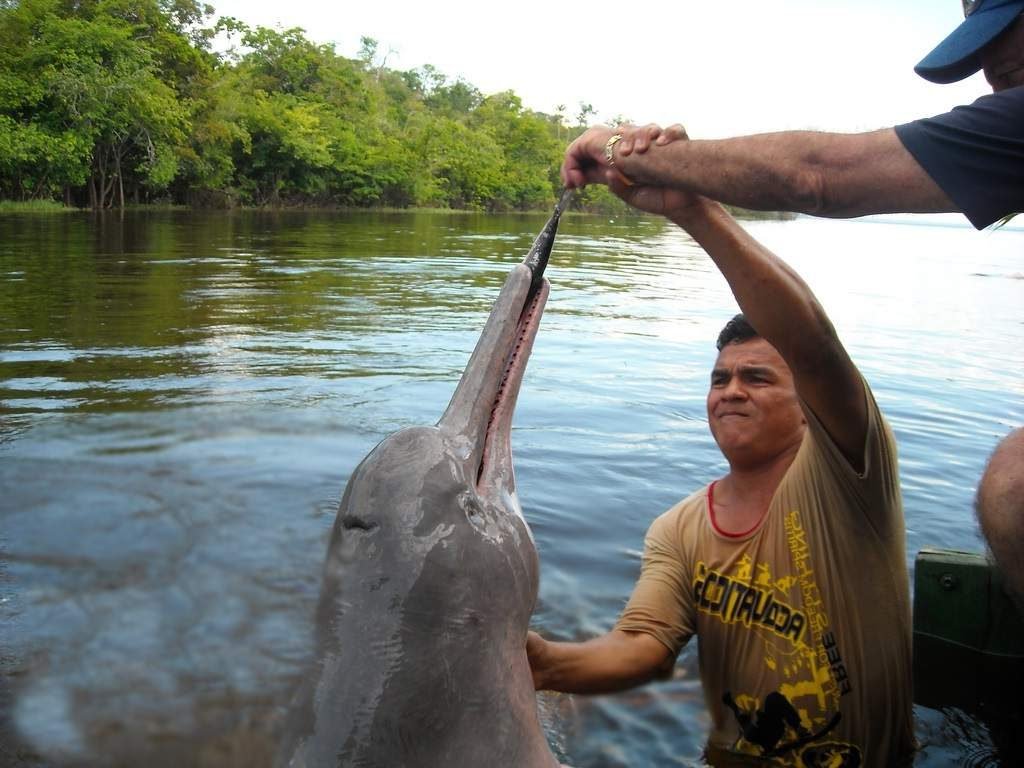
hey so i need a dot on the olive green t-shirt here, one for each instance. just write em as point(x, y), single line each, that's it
point(804, 621)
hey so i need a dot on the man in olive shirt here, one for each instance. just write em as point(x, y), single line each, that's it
point(791, 568)
point(970, 160)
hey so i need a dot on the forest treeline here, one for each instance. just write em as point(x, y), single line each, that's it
point(107, 103)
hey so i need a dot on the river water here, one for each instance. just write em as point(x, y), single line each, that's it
point(183, 396)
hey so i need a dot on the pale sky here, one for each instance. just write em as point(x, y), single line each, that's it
point(719, 67)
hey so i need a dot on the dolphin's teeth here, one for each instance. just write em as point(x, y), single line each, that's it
point(524, 325)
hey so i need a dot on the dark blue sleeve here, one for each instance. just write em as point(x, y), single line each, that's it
point(975, 154)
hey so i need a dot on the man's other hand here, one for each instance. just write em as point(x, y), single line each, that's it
point(585, 161)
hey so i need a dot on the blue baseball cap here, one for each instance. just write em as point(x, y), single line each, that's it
point(956, 57)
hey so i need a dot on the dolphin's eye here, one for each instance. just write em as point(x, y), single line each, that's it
point(351, 522)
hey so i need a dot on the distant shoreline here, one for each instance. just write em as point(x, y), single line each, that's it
point(53, 207)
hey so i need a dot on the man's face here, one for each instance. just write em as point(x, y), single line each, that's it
point(753, 410)
point(1003, 59)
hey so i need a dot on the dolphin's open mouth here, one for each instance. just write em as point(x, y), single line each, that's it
point(499, 425)
point(480, 412)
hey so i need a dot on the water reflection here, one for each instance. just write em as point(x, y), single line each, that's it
point(182, 396)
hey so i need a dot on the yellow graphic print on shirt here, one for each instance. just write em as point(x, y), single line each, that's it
point(791, 725)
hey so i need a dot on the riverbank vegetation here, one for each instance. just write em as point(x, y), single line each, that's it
point(109, 103)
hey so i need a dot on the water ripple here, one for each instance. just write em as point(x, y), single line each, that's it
point(182, 398)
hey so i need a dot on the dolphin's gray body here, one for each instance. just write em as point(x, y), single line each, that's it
point(431, 577)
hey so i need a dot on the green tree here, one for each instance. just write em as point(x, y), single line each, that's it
point(106, 101)
point(97, 78)
point(295, 107)
point(529, 151)
point(458, 98)
point(585, 114)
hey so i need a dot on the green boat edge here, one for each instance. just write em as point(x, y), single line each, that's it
point(969, 645)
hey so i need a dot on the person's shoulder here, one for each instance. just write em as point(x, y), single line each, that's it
point(1015, 94)
point(683, 512)
point(692, 503)
point(989, 109)
point(1009, 100)
point(876, 461)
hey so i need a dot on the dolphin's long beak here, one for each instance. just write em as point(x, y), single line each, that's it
point(480, 411)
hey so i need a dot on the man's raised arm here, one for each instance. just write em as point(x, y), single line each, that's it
point(781, 308)
point(826, 174)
